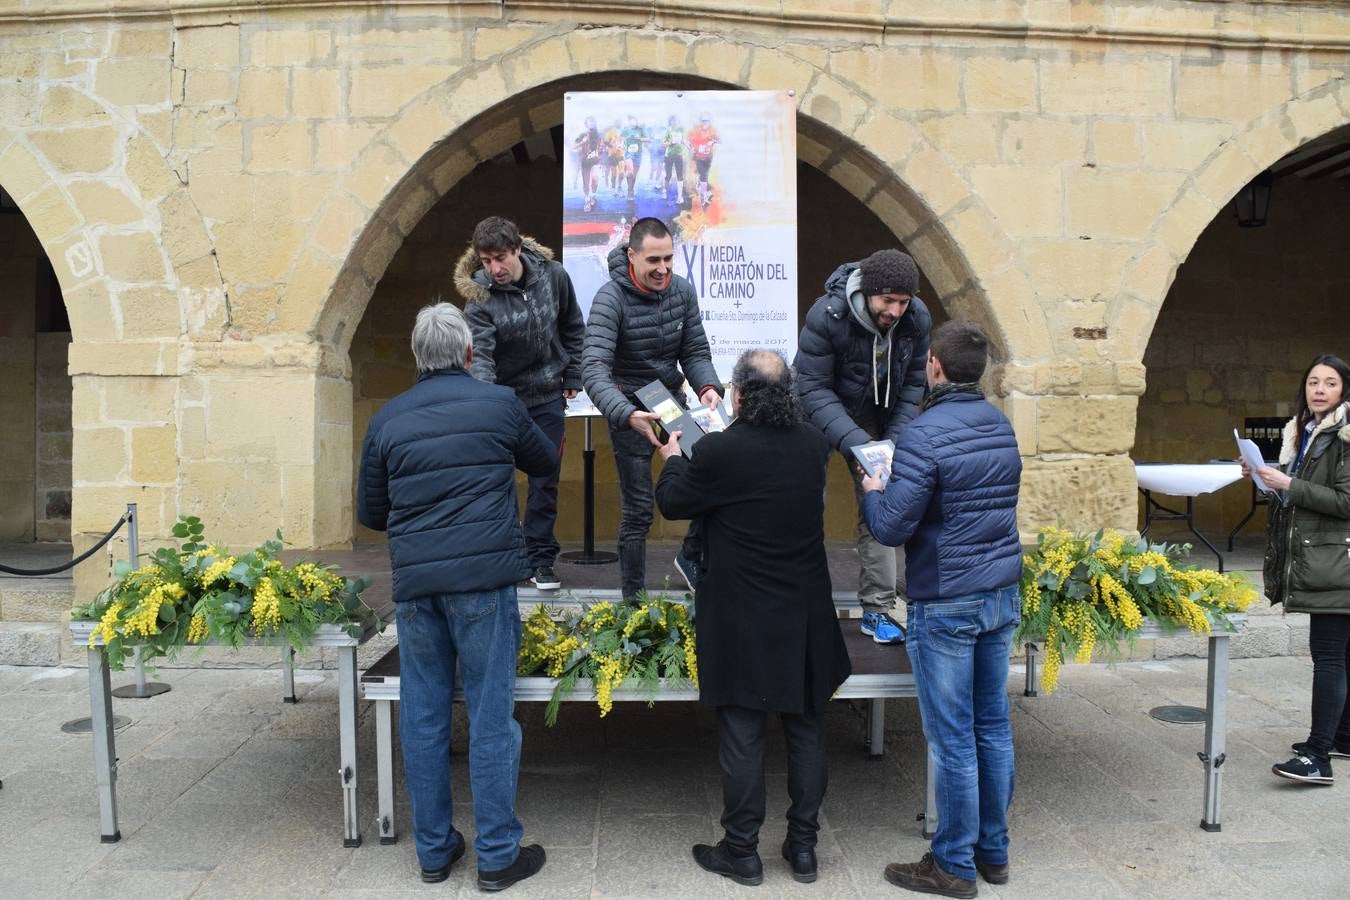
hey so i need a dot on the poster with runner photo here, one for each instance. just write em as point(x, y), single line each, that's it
point(720, 169)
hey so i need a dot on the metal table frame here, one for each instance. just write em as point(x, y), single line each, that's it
point(1212, 757)
point(383, 690)
point(105, 746)
point(1167, 514)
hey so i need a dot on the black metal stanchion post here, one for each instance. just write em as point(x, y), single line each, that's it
point(588, 555)
point(141, 690)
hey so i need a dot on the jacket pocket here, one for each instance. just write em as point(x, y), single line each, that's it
point(1321, 561)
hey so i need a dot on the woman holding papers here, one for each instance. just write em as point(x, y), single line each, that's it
point(1308, 556)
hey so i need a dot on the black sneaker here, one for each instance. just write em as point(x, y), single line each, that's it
point(1304, 769)
point(436, 876)
point(528, 862)
point(1301, 748)
point(688, 570)
point(544, 579)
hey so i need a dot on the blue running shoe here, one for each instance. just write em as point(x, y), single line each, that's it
point(882, 628)
point(687, 568)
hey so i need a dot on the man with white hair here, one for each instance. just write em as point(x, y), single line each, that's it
point(438, 474)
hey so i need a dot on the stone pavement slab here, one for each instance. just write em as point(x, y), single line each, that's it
point(225, 792)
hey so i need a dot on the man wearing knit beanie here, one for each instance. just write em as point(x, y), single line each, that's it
point(861, 375)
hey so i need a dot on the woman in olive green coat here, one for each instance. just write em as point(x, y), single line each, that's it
point(1308, 556)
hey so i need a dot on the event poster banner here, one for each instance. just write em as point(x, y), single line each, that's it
point(720, 169)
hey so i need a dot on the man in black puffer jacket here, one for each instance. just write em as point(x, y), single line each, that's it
point(644, 325)
point(527, 334)
point(438, 473)
point(860, 374)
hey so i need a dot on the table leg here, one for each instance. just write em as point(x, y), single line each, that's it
point(1245, 519)
point(288, 675)
point(346, 658)
point(1190, 522)
point(876, 728)
point(1030, 690)
point(930, 811)
point(1216, 725)
point(384, 769)
point(105, 744)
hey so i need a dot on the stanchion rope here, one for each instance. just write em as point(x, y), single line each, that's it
point(9, 570)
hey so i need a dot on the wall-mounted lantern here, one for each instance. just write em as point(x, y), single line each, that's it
point(1253, 201)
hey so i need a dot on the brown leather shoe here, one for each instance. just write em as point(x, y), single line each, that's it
point(992, 873)
point(925, 877)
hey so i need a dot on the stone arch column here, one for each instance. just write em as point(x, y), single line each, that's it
point(439, 136)
point(137, 275)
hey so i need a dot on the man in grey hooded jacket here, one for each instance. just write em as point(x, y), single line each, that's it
point(860, 373)
point(527, 334)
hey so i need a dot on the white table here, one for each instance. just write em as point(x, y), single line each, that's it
point(1182, 480)
point(105, 746)
point(1213, 756)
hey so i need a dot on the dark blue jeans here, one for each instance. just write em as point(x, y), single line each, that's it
point(481, 632)
point(959, 651)
point(1329, 643)
point(541, 501)
point(741, 755)
point(633, 461)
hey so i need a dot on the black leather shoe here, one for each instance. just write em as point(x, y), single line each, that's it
point(716, 858)
point(529, 862)
point(992, 873)
point(803, 860)
point(436, 876)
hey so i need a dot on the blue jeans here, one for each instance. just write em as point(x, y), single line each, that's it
point(959, 651)
point(481, 631)
point(541, 501)
point(633, 462)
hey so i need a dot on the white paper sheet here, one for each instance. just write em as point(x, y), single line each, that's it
point(1251, 455)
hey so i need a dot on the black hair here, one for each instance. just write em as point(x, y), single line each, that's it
point(1301, 402)
point(495, 234)
point(643, 228)
point(764, 384)
point(963, 349)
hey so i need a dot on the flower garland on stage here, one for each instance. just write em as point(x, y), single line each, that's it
point(200, 593)
point(1084, 593)
point(636, 642)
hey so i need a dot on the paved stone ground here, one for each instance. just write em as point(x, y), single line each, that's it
point(226, 792)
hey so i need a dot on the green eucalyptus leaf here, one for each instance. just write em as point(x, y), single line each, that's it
point(1148, 575)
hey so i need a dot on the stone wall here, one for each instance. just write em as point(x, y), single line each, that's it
point(221, 188)
point(1249, 310)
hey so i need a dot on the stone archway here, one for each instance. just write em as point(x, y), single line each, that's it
point(448, 159)
point(1265, 139)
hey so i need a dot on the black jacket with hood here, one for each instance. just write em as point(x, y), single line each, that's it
point(634, 337)
point(845, 365)
point(527, 336)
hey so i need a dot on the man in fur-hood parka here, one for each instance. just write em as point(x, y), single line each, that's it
point(527, 334)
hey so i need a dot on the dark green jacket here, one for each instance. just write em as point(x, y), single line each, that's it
point(1308, 539)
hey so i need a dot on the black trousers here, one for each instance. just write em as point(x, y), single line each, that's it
point(1329, 641)
point(741, 753)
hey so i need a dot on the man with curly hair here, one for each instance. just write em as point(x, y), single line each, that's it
point(768, 637)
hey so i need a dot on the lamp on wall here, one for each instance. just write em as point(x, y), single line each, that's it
point(1253, 201)
point(7, 204)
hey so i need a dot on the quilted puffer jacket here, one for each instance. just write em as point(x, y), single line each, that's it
point(438, 473)
point(844, 363)
point(952, 498)
point(634, 337)
point(525, 336)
